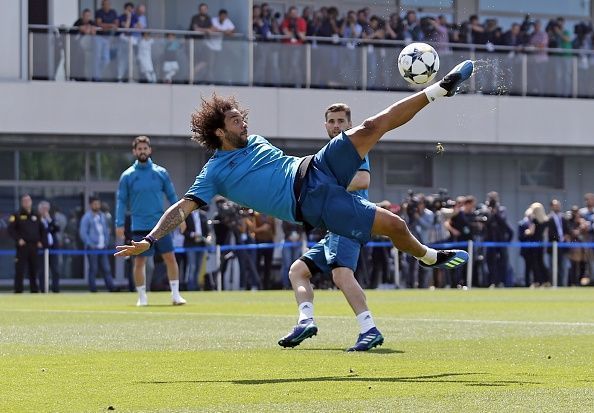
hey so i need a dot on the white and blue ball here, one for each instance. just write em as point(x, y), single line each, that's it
point(418, 63)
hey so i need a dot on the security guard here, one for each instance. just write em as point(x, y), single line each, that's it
point(26, 229)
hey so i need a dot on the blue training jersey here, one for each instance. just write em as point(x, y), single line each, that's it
point(141, 189)
point(364, 193)
point(259, 176)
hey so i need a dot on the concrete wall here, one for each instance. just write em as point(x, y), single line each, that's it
point(127, 109)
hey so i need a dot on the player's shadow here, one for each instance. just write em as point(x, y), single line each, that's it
point(343, 350)
point(460, 378)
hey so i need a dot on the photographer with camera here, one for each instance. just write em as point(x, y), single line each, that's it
point(459, 226)
point(420, 221)
point(234, 221)
point(497, 230)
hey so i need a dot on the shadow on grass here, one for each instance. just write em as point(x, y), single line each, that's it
point(460, 378)
point(343, 350)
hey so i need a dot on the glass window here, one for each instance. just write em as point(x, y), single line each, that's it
point(442, 4)
point(544, 172)
point(7, 165)
point(562, 8)
point(108, 166)
point(409, 170)
point(51, 166)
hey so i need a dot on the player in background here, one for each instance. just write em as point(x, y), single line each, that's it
point(141, 190)
point(334, 255)
point(311, 190)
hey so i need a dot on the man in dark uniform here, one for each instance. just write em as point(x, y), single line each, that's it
point(26, 229)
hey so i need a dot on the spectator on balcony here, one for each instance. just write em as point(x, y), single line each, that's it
point(219, 69)
point(201, 23)
point(128, 20)
point(539, 40)
point(82, 47)
point(171, 57)
point(395, 27)
point(559, 37)
point(350, 29)
point(326, 52)
point(294, 28)
point(145, 58)
point(476, 31)
point(558, 231)
point(376, 54)
point(266, 53)
point(439, 34)
point(363, 20)
point(308, 15)
point(106, 19)
point(414, 32)
point(513, 37)
point(497, 230)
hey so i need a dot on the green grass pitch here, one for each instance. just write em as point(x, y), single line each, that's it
point(445, 351)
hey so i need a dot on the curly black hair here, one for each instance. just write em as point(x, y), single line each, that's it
point(210, 117)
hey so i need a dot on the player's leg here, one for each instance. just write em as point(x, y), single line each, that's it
point(366, 135)
point(173, 276)
point(342, 254)
point(140, 279)
point(300, 275)
point(388, 224)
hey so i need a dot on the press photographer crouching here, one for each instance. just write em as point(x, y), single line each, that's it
point(235, 223)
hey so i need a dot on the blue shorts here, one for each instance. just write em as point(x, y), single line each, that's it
point(161, 246)
point(332, 252)
point(325, 202)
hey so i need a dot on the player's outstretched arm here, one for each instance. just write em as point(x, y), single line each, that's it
point(171, 219)
point(366, 135)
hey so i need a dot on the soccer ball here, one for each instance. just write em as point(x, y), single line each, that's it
point(418, 63)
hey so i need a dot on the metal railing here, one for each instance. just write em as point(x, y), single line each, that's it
point(176, 56)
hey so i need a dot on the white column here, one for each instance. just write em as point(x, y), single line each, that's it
point(62, 12)
point(13, 40)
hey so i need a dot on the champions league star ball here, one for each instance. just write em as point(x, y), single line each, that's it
point(418, 63)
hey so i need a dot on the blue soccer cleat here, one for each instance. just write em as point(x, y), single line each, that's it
point(368, 340)
point(448, 259)
point(451, 82)
point(304, 329)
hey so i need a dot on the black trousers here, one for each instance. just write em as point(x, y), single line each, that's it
point(26, 256)
point(265, 255)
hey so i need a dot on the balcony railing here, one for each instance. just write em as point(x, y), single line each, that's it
point(184, 57)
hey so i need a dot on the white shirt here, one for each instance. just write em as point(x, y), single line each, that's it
point(98, 221)
point(215, 42)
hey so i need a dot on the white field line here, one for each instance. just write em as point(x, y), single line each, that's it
point(427, 320)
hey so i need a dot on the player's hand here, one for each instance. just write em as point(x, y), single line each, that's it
point(134, 249)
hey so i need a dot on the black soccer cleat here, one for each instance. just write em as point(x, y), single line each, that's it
point(448, 259)
point(451, 82)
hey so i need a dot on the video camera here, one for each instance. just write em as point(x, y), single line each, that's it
point(230, 213)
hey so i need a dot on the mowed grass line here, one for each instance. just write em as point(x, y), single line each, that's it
point(445, 351)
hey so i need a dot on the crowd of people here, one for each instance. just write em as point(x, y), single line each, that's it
point(100, 50)
point(433, 219)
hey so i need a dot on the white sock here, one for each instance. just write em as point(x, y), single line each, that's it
point(430, 256)
point(434, 91)
point(365, 321)
point(306, 310)
point(174, 285)
point(141, 290)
